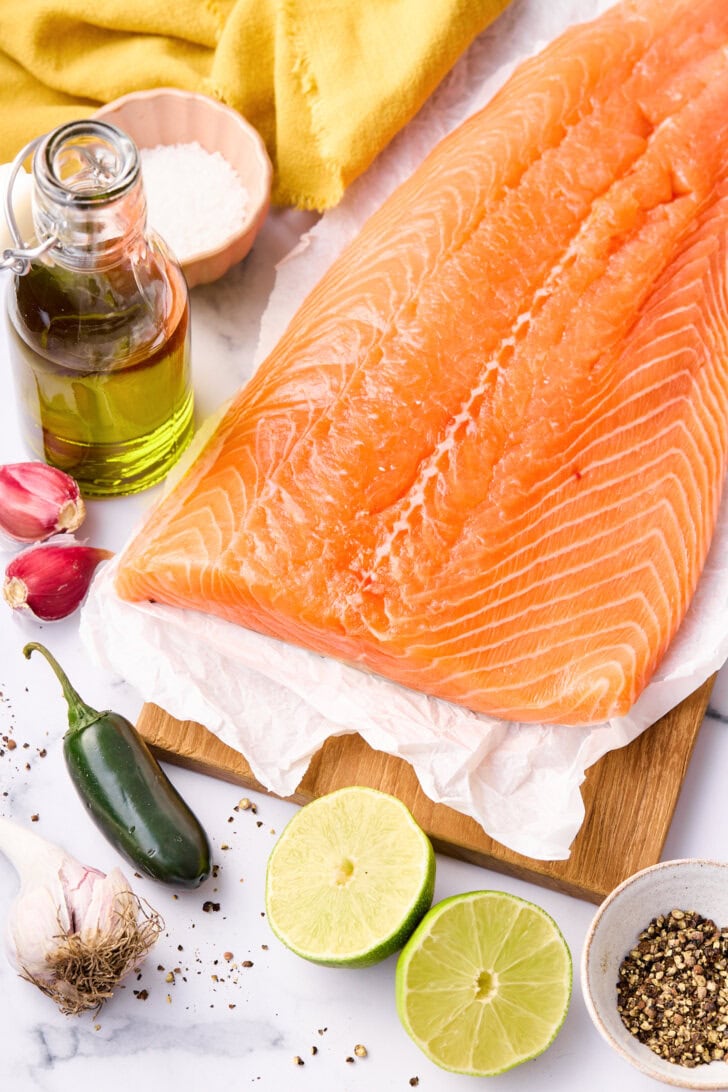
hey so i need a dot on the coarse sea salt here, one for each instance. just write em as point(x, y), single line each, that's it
point(195, 199)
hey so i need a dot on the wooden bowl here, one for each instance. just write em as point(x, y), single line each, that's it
point(167, 116)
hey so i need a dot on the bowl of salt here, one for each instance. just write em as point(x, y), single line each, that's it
point(206, 172)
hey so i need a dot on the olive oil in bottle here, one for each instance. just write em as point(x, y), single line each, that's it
point(100, 322)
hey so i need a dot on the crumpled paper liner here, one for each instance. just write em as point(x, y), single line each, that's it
point(277, 704)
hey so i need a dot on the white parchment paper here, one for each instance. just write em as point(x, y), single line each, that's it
point(277, 704)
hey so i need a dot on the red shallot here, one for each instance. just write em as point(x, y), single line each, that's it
point(37, 501)
point(51, 581)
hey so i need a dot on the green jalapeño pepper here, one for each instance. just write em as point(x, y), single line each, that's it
point(127, 793)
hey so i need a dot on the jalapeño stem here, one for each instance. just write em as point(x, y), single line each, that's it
point(80, 715)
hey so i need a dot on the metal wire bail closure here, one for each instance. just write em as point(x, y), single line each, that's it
point(18, 258)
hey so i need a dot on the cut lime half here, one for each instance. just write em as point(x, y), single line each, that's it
point(484, 982)
point(349, 878)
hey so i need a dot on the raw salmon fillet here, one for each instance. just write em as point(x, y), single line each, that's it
point(485, 459)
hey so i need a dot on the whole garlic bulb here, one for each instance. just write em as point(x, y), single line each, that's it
point(73, 931)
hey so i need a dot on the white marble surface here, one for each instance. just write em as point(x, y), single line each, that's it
point(220, 1023)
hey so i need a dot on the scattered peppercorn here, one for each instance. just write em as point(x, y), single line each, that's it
point(414, 1081)
point(672, 989)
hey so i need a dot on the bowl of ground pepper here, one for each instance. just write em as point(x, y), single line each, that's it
point(654, 972)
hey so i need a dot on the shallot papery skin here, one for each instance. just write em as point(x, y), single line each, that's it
point(37, 501)
point(51, 581)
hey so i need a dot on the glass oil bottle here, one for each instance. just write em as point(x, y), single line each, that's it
point(99, 319)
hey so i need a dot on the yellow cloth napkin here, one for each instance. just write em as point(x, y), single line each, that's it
point(327, 83)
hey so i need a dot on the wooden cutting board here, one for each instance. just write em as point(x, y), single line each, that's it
point(629, 795)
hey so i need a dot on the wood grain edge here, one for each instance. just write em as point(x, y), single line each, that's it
point(654, 767)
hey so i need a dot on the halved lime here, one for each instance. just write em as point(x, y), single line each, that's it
point(349, 878)
point(484, 982)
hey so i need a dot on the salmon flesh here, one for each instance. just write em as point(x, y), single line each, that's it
point(486, 457)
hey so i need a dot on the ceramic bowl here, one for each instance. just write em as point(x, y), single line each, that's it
point(693, 884)
point(169, 116)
